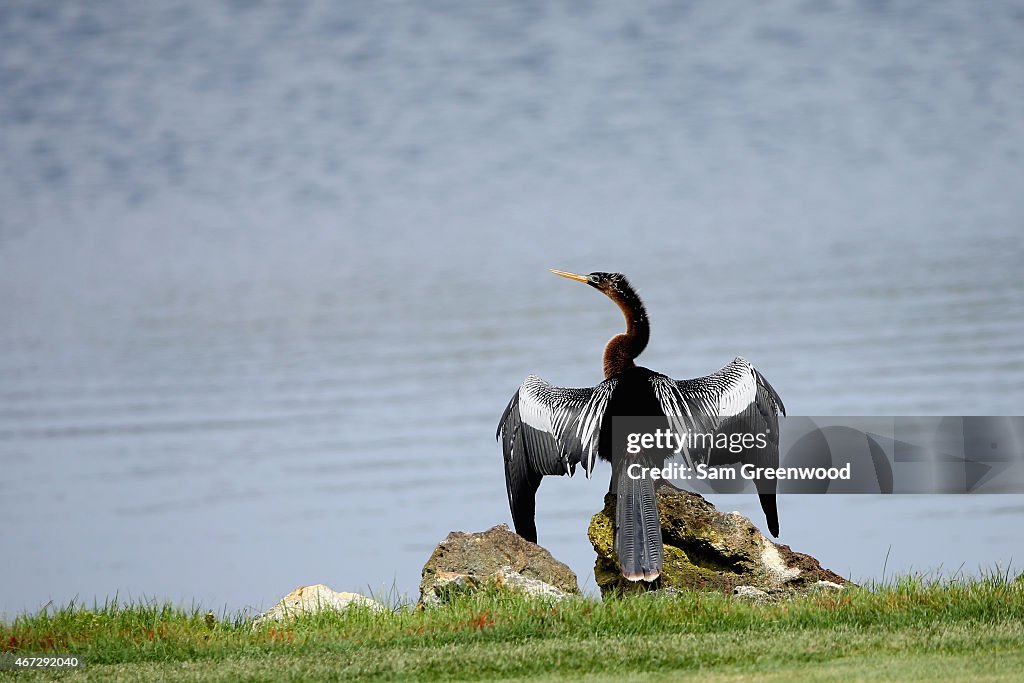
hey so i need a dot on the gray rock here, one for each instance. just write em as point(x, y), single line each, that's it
point(709, 550)
point(751, 593)
point(506, 577)
point(466, 562)
point(311, 599)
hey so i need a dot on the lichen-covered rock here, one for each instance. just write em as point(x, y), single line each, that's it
point(709, 550)
point(465, 562)
point(310, 599)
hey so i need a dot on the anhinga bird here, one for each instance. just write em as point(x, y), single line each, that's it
point(549, 430)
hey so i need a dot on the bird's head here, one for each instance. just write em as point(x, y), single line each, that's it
point(608, 283)
point(623, 348)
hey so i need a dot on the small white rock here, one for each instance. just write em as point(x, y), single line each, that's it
point(828, 586)
point(749, 593)
point(311, 599)
point(506, 576)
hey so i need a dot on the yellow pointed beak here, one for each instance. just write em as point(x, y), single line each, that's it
point(571, 276)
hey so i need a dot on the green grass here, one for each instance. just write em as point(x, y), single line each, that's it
point(909, 630)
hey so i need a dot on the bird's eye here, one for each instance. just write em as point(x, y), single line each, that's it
point(594, 279)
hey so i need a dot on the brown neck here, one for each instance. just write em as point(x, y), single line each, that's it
point(623, 348)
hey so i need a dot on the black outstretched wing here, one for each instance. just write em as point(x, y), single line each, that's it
point(548, 430)
point(736, 400)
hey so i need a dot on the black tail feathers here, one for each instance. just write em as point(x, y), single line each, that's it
point(638, 529)
point(771, 512)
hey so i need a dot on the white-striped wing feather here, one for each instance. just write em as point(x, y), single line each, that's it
point(735, 398)
point(548, 430)
point(566, 421)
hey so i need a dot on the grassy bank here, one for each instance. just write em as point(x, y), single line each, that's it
point(910, 630)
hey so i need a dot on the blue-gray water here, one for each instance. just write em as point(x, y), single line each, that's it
point(270, 271)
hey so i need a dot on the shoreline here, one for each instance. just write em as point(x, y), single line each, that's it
point(906, 628)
